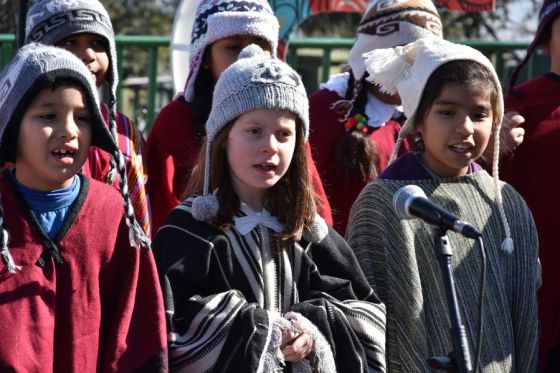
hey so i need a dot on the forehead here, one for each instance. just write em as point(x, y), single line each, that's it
point(462, 93)
point(64, 94)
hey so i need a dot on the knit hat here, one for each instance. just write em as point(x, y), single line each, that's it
point(406, 70)
point(389, 24)
point(218, 19)
point(51, 21)
point(34, 67)
point(549, 12)
point(255, 81)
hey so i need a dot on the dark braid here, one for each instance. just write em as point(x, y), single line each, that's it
point(356, 152)
point(202, 101)
point(136, 234)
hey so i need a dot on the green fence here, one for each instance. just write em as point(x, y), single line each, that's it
point(314, 58)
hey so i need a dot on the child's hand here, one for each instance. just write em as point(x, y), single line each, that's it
point(511, 134)
point(296, 345)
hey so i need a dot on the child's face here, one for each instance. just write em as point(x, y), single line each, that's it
point(92, 49)
point(260, 146)
point(54, 139)
point(552, 46)
point(456, 129)
point(225, 51)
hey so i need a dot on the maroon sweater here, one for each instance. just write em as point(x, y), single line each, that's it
point(534, 170)
point(172, 153)
point(99, 310)
point(326, 129)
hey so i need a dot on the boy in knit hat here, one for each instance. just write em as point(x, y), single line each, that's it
point(453, 103)
point(532, 169)
point(353, 125)
point(249, 284)
point(78, 293)
point(84, 28)
point(221, 29)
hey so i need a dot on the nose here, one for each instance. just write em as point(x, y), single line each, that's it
point(86, 54)
point(270, 144)
point(69, 128)
point(466, 126)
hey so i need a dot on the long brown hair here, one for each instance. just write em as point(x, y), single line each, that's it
point(291, 199)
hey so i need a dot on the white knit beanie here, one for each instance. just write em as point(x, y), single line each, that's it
point(388, 24)
point(51, 21)
point(255, 81)
point(218, 19)
point(406, 70)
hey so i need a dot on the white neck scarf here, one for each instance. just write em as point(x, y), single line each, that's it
point(245, 224)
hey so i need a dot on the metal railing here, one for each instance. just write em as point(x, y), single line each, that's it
point(315, 58)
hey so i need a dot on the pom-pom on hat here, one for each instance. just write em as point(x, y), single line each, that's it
point(405, 70)
point(254, 81)
point(390, 23)
point(51, 21)
point(34, 67)
point(548, 13)
point(218, 19)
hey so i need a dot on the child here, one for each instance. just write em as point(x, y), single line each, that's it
point(452, 99)
point(221, 29)
point(354, 125)
point(531, 170)
point(76, 292)
point(84, 28)
point(252, 277)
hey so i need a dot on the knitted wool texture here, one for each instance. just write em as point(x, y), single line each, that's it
point(218, 19)
point(400, 264)
point(254, 81)
point(34, 67)
point(406, 70)
point(390, 23)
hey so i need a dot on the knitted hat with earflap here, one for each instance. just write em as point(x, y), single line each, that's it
point(254, 81)
point(218, 19)
point(549, 12)
point(406, 70)
point(387, 24)
point(34, 67)
point(51, 21)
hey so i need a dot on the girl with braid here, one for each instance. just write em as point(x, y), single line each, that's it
point(453, 102)
point(354, 125)
point(78, 287)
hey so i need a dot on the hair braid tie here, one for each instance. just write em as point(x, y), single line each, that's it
point(6, 256)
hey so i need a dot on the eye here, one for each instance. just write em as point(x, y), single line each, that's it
point(254, 131)
point(446, 113)
point(83, 118)
point(285, 134)
point(47, 116)
point(481, 116)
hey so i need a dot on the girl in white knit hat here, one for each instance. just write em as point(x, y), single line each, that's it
point(253, 279)
point(453, 102)
point(221, 29)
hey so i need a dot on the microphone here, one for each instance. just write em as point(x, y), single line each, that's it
point(411, 202)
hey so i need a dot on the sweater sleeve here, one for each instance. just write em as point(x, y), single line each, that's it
point(133, 311)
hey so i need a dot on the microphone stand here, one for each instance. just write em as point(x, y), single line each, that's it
point(459, 359)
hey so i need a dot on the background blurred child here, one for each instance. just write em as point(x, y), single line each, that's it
point(531, 170)
point(354, 125)
point(221, 29)
point(84, 28)
point(453, 102)
point(77, 293)
point(252, 276)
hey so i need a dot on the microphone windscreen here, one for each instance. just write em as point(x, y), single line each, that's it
point(403, 197)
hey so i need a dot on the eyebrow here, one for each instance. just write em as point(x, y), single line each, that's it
point(449, 102)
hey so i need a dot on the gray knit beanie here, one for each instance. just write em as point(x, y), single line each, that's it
point(34, 67)
point(255, 81)
point(51, 21)
point(218, 19)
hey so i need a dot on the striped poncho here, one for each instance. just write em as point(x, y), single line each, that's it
point(227, 295)
point(399, 261)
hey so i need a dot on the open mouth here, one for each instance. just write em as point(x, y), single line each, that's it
point(265, 167)
point(461, 148)
point(63, 153)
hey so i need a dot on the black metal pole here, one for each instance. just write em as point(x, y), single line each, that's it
point(22, 12)
point(460, 358)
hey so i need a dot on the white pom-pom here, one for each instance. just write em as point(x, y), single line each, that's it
point(386, 67)
point(507, 245)
point(251, 50)
point(205, 208)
